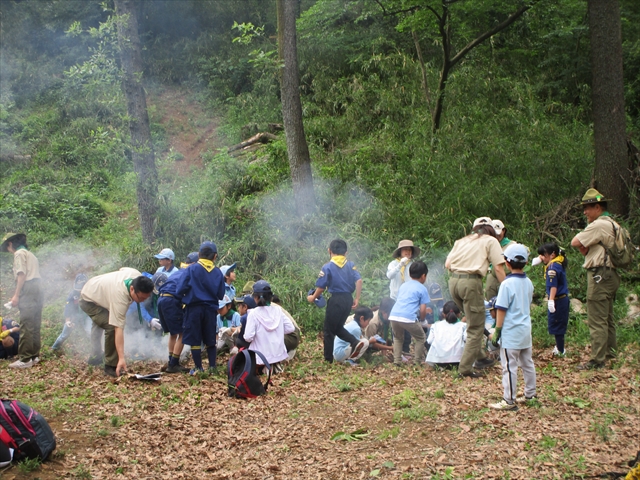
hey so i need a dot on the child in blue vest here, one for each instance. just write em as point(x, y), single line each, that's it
point(341, 278)
point(201, 287)
point(72, 313)
point(557, 292)
point(171, 315)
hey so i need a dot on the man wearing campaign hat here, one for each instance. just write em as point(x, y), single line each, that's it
point(468, 263)
point(492, 283)
point(602, 278)
point(166, 257)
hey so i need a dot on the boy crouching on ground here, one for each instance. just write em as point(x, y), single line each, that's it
point(513, 328)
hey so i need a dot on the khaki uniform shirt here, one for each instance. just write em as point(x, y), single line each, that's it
point(474, 253)
point(25, 262)
point(600, 230)
point(110, 292)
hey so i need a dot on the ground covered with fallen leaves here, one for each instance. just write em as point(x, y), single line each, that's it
point(323, 421)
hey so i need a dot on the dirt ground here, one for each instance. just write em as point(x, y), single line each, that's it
point(406, 423)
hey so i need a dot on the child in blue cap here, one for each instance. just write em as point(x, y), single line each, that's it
point(341, 278)
point(228, 325)
point(201, 288)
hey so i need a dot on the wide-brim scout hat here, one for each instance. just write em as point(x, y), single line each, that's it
point(482, 221)
point(11, 237)
point(406, 244)
point(593, 196)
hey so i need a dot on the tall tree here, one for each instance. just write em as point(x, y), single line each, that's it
point(297, 148)
point(612, 175)
point(141, 145)
point(441, 10)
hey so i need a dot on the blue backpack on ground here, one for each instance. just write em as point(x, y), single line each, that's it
point(242, 379)
point(31, 436)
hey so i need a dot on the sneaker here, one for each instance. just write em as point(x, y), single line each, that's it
point(558, 353)
point(591, 365)
point(503, 405)
point(36, 360)
point(195, 371)
point(472, 374)
point(21, 364)
point(484, 363)
point(524, 399)
point(176, 369)
point(111, 371)
point(278, 368)
point(359, 349)
point(164, 367)
point(351, 363)
point(95, 361)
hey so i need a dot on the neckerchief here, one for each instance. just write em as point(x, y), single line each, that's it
point(504, 241)
point(402, 268)
point(206, 264)
point(127, 283)
point(339, 260)
point(605, 214)
point(21, 247)
point(559, 259)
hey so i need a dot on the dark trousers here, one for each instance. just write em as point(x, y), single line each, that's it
point(338, 309)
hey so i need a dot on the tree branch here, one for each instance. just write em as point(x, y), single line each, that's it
point(489, 33)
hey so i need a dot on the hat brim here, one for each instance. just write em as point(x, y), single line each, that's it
point(593, 201)
point(416, 251)
point(5, 244)
point(320, 302)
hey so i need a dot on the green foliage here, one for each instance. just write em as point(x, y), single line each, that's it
point(359, 434)
point(29, 465)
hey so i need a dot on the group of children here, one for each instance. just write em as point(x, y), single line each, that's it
point(346, 339)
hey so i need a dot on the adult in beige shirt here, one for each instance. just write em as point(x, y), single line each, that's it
point(106, 299)
point(468, 263)
point(28, 297)
point(602, 278)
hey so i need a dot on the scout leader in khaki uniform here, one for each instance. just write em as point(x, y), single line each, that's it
point(28, 297)
point(469, 262)
point(106, 299)
point(602, 278)
point(493, 284)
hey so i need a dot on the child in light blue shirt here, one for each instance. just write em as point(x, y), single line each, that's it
point(341, 348)
point(228, 325)
point(513, 330)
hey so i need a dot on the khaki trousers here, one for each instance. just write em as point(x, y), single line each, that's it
point(602, 285)
point(416, 331)
point(467, 293)
point(100, 318)
point(30, 303)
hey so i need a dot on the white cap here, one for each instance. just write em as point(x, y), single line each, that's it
point(498, 226)
point(482, 221)
point(166, 253)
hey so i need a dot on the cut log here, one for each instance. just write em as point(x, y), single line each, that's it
point(263, 137)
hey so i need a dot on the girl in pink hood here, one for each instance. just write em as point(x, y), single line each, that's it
point(267, 326)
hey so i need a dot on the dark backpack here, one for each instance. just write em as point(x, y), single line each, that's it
point(242, 379)
point(623, 250)
point(30, 433)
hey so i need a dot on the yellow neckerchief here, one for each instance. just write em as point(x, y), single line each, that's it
point(206, 264)
point(402, 268)
point(339, 260)
point(559, 259)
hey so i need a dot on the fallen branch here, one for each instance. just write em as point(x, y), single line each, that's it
point(263, 137)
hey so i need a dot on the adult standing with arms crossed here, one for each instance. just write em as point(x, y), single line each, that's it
point(106, 299)
point(28, 297)
point(602, 277)
point(468, 263)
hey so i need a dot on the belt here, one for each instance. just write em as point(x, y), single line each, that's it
point(466, 275)
point(560, 296)
point(166, 295)
point(595, 269)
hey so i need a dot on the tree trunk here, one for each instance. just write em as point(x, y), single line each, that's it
point(141, 145)
point(612, 176)
point(297, 149)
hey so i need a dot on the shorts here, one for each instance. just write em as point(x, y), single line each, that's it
point(200, 322)
point(171, 315)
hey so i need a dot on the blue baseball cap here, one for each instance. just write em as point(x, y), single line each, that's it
point(320, 302)
point(227, 269)
point(208, 245)
point(225, 301)
point(192, 257)
point(261, 286)
point(516, 253)
point(166, 253)
point(248, 301)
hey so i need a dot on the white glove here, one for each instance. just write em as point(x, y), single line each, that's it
point(8, 305)
point(536, 261)
point(155, 324)
point(552, 306)
point(222, 331)
point(404, 261)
